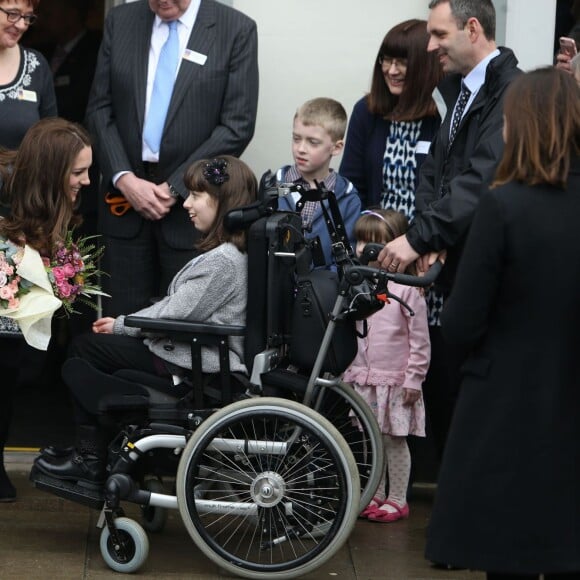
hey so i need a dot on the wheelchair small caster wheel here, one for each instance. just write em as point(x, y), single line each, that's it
point(133, 548)
point(153, 518)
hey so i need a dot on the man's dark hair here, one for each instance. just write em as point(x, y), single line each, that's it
point(463, 10)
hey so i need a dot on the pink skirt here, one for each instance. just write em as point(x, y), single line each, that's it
point(393, 417)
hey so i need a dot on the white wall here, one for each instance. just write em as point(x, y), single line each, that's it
point(313, 48)
point(529, 31)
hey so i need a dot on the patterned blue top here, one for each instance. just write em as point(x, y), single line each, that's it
point(400, 167)
point(399, 179)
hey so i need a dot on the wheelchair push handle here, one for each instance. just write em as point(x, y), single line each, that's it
point(370, 254)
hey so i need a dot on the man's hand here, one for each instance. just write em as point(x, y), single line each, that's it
point(397, 255)
point(427, 260)
point(103, 325)
point(146, 198)
point(165, 197)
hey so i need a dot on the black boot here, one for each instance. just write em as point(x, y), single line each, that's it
point(57, 452)
point(7, 490)
point(86, 466)
point(9, 375)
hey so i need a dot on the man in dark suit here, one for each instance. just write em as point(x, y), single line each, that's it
point(212, 111)
point(459, 167)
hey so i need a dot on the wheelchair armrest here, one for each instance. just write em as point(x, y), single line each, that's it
point(183, 326)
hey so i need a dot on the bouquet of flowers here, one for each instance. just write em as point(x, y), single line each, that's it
point(12, 286)
point(73, 272)
point(33, 288)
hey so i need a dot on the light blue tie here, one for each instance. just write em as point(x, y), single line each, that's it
point(162, 89)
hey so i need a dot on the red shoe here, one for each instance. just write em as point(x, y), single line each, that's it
point(371, 509)
point(384, 516)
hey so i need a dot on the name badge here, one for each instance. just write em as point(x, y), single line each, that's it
point(422, 147)
point(62, 81)
point(195, 57)
point(24, 95)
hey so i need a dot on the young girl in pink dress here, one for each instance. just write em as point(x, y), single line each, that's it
point(389, 370)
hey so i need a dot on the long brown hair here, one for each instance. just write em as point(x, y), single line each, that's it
point(408, 40)
point(40, 209)
point(542, 128)
point(240, 188)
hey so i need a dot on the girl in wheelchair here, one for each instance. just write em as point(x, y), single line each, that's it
point(389, 370)
point(211, 288)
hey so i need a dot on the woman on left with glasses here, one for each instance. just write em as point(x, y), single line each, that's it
point(26, 89)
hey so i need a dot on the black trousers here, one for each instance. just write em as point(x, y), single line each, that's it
point(10, 357)
point(94, 358)
point(441, 388)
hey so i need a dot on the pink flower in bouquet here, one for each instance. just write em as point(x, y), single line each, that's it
point(64, 289)
point(6, 292)
point(12, 287)
point(58, 274)
point(68, 270)
point(72, 271)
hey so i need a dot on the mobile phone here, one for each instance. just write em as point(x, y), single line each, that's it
point(568, 46)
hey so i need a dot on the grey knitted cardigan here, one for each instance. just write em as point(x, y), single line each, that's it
point(210, 288)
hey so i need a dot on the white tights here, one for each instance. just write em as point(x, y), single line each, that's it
point(398, 460)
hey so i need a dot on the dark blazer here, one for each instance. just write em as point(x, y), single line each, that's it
point(362, 161)
point(508, 495)
point(74, 77)
point(452, 179)
point(212, 110)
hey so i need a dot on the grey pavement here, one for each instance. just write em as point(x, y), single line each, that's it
point(42, 536)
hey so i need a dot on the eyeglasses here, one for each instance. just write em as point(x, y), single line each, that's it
point(13, 16)
point(388, 61)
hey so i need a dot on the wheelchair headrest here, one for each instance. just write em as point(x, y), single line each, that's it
point(241, 218)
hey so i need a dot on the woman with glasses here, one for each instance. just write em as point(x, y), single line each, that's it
point(391, 128)
point(26, 89)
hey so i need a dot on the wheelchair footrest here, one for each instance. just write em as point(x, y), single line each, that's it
point(70, 490)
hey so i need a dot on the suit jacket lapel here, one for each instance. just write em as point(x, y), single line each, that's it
point(201, 39)
point(142, 37)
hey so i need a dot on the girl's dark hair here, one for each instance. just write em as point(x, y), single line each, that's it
point(542, 112)
point(407, 40)
point(240, 188)
point(381, 226)
point(41, 210)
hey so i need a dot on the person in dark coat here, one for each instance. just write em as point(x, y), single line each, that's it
point(456, 171)
point(508, 496)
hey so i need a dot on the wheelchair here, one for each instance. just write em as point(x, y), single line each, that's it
point(272, 469)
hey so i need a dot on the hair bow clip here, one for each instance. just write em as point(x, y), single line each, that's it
point(215, 171)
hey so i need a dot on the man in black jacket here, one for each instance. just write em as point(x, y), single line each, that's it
point(460, 165)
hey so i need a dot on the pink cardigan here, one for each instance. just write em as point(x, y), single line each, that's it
point(396, 350)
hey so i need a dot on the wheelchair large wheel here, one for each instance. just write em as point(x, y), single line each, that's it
point(266, 489)
point(356, 422)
